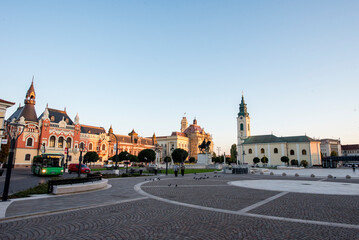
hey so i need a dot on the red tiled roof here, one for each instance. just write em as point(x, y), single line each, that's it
point(6, 102)
point(178, 134)
point(193, 128)
point(350, 147)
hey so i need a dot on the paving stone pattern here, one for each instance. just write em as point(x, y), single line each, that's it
point(150, 219)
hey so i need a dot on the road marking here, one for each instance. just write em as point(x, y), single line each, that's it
point(265, 201)
point(331, 224)
point(48, 213)
point(173, 185)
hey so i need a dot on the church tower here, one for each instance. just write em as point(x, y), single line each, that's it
point(184, 124)
point(243, 127)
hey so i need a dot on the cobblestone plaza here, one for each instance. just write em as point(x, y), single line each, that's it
point(201, 206)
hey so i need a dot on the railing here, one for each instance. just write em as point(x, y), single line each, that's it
point(54, 125)
point(91, 178)
point(70, 127)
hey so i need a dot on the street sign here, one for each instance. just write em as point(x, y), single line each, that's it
point(4, 141)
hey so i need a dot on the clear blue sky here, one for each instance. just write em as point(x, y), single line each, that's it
point(143, 64)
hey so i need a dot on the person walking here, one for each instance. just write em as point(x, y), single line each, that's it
point(353, 167)
point(175, 169)
point(182, 169)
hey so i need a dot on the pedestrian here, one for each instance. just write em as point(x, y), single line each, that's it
point(175, 169)
point(182, 169)
point(353, 167)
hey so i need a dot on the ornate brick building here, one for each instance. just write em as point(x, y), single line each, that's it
point(54, 131)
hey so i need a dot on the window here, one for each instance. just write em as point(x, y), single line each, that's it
point(241, 126)
point(90, 146)
point(29, 142)
point(250, 150)
point(82, 145)
point(304, 152)
point(27, 157)
point(68, 143)
point(292, 152)
point(262, 150)
point(60, 143)
point(276, 150)
point(248, 128)
point(52, 141)
point(103, 147)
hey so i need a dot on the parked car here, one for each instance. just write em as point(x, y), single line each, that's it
point(74, 167)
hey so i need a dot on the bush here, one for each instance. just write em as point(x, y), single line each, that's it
point(304, 163)
point(192, 160)
point(285, 159)
point(264, 160)
point(256, 160)
point(294, 162)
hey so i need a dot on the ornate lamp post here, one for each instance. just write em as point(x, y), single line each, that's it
point(14, 131)
point(243, 156)
point(81, 148)
point(116, 159)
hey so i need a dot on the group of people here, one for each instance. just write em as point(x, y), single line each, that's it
point(176, 168)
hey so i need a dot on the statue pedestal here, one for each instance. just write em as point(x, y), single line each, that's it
point(204, 159)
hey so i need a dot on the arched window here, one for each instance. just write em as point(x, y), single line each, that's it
point(82, 145)
point(241, 126)
point(248, 128)
point(292, 152)
point(27, 157)
point(29, 142)
point(60, 142)
point(262, 150)
point(90, 146)
point(276, 150)
point(52, 141)
point(68, 143)
point(250, 150)
point(304, 152)
point(103, 147)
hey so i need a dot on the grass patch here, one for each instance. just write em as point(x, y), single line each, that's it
point(39, 189)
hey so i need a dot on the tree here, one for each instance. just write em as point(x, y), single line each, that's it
point(4, 153)
point(91, 157)
point(285, 159)
point(234, 153)
point(167, 159)
point(256, 160)
point(333, 154)
point(294, 162)
point(304, 163)
point(264, 160)
point(134, 158)
point(147, 155)
point(192, 160)
point(123, 156)
point(179, 155)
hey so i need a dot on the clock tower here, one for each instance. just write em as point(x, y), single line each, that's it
point(243, 127)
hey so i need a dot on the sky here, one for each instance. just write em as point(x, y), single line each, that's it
point(144, 64)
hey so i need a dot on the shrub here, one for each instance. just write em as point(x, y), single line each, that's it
point(294, 162)
point(304, 163)
point(256, 160)
point(285, 159)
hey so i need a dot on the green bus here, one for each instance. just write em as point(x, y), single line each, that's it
point(48, 164)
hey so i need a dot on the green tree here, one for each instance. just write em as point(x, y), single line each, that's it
point(294, 162)
point(134, 158)
point(167, 159)
point(256, 160)
point(285, 159)
point(147, 155)
point(234, 153)
point(192, 160)
point(333, 154)
point(304, 163)
point(4, 153)
point(179, 155)
point(91, 157)
point(264, 160)
point(123, 156)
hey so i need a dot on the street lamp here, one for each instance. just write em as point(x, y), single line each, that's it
point(243, 156)
point(116, 166)
point(14, 131)
point(82, 148)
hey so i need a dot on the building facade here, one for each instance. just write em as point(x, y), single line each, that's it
point(329, 147)
point(294, 147)
point(54, 132)
point(3, 106)
point(350, 150)
point(189, 138)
